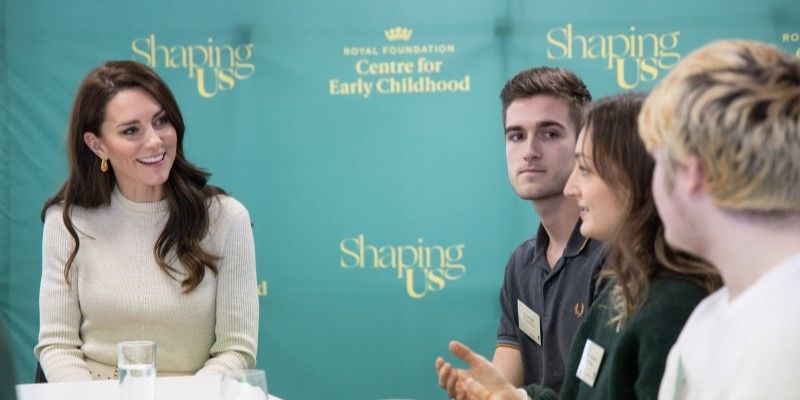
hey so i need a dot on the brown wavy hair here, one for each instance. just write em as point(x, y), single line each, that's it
point(637, 251)
point(186, 189)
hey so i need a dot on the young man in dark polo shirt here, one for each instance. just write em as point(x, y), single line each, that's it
point(550, 279)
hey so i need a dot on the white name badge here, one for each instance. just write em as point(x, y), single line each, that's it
point(529, 322)
point(590, 362)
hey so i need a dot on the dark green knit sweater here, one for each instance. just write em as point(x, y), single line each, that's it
point(635, 356)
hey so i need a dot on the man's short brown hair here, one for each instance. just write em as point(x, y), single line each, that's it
point(556, 82)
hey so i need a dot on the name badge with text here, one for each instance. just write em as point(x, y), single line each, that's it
point(529, 322)
point(590, 362)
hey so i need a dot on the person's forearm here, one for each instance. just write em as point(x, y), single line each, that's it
point(509, 361)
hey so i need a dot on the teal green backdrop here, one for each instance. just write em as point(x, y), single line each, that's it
point(365, 139)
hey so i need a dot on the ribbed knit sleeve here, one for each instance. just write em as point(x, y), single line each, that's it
point(537, 392)
point(236, 326)
point(657, 327)
point(59, 348)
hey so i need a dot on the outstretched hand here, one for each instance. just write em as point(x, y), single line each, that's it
point(481, 381)
point(448, 377)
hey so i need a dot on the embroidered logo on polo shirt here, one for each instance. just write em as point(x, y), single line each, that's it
point(579, 309)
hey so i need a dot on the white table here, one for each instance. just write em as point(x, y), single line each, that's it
point(167, 388)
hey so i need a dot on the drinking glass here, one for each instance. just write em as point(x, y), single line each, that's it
point(136, 362)
point(248, 384)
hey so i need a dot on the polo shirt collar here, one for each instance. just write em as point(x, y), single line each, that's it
point(575, 244)
point(576, 241)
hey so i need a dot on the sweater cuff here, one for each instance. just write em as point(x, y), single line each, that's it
point(539, 393)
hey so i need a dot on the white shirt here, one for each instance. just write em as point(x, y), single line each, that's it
point(747, 348)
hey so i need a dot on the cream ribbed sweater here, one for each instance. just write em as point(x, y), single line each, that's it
point(119, 293)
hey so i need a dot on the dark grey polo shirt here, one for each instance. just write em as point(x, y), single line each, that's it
point(561, 296)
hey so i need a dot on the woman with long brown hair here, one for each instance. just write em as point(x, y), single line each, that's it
point(620, 350)
point(136, 244)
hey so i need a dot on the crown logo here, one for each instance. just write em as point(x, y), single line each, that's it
point(398, 33)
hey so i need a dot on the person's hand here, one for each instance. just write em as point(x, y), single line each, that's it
point(448, 377)
point(482, 381)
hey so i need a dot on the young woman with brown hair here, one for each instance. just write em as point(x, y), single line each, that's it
point(137, 245)
point(621, 347)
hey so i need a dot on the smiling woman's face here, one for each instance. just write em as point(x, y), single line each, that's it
point(138, 141)
point(602, 209)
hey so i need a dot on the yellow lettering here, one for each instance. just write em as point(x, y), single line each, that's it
point(649, 71)
point(244, 68)
point(790, 37)
point(454, 254)
point(613, 54)
point(216, 55)
point(222, 65)
point(388, 258)
point(357, 260)
point(621, 76)
point(360, 66)
point(595, 42)
point(364, 67)
point(163, 49)
point(226, 82)
point(244, 71)
point(428, 67)
point(565, 52)
point(668, 44)
point(333, 87)
point(201, 84)
point(423, 267)
point(149, 58)
point(205, 58)
point(410, 286)
point(401, 259)
point(434, 282)
point(180, 52)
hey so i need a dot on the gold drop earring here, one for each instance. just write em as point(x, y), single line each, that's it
point(104, 165)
